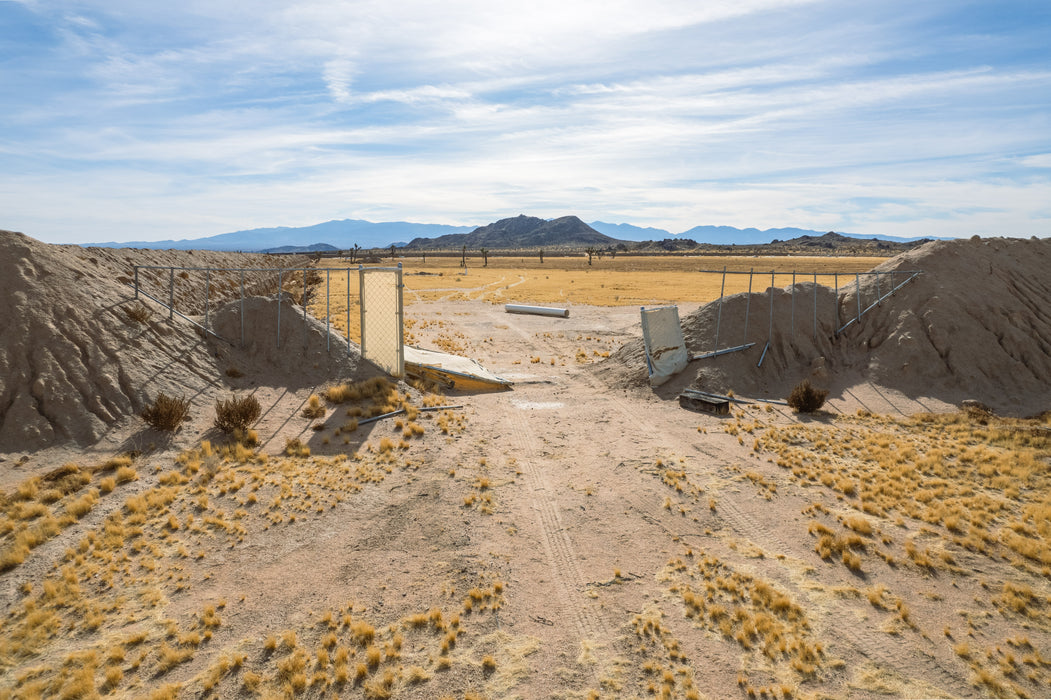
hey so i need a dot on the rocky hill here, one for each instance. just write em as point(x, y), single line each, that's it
point(830, 243)
point(521, 232)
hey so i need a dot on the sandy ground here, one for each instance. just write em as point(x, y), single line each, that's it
point(586, 539)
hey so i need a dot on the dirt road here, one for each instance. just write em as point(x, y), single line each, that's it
point(597, 491)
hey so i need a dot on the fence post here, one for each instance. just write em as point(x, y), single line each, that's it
point(747, 307)
point(793, 302)
point(328, 292)
point(304, 295)
point(815, 307)
point(280, 295)
point(836, 331)
point(878, 296)
point(719, 316)
point(242, 308)
point(401, 325)
point(207, 294)
point(361, 303)
point(348, 311)
point(770, 329)
point(171, 293)
point(136, 281)
point(857, 293)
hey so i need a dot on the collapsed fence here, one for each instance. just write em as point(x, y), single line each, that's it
point(896, 283)
point(380, 302)
point(381, 310)
point(665, 343)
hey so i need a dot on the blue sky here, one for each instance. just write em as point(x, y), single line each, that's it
point(124, 120)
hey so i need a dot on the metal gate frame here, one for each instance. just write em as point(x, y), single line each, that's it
point(381, 306)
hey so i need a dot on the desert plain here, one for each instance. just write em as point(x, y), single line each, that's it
point(578, 536)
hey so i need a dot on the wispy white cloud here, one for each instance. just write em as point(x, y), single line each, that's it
point(763, 112)
point(1040, 160)
point(339, 76)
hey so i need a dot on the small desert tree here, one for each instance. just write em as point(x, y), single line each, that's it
point(541, 256)
point(590, 251)
point(805, 398)
point(485, 257)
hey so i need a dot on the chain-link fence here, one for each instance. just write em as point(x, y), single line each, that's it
point(808, 301)
point(382, 318)
point(195, 294)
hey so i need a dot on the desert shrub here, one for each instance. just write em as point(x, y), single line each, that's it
point(139, 313)
point(236, 413)
point(805, 398)
point(166, 412)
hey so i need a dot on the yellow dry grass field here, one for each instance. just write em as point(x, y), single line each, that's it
point(621, 281)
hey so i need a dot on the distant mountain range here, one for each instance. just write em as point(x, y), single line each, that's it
point(516, 232)
point(728, 235)
point(340, 234)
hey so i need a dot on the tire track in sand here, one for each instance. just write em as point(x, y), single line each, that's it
point(870, 643)
point(561, 555)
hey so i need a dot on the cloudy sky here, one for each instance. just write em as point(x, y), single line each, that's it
point(143, 120)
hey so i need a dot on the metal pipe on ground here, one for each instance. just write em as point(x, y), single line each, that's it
point(402, 410)
point(724, 351)
point(536, 310)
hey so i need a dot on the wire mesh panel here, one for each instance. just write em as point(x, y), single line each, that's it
point(381, 318)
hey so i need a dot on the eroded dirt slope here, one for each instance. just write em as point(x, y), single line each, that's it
point(78, 354)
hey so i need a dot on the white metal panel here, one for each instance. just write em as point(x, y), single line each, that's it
point(666, 353)
point(381, 319)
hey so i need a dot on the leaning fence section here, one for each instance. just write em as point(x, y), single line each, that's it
point(195, 293)
point(879, 286)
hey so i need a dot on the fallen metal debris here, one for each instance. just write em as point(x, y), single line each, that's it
point(402, 410)
point(537, 310)
point(709, 403)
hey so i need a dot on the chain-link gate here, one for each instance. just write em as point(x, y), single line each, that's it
point(382, 342)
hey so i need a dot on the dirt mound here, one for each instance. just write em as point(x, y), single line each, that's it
point(305, 353)
point(975, 325)
point(78, 353)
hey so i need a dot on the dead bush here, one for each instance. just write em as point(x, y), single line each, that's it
point(139, 313)
point(166, 412)
point(805, 398)
point(236, 413)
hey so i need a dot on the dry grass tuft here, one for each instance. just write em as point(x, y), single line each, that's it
point(314, 407)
